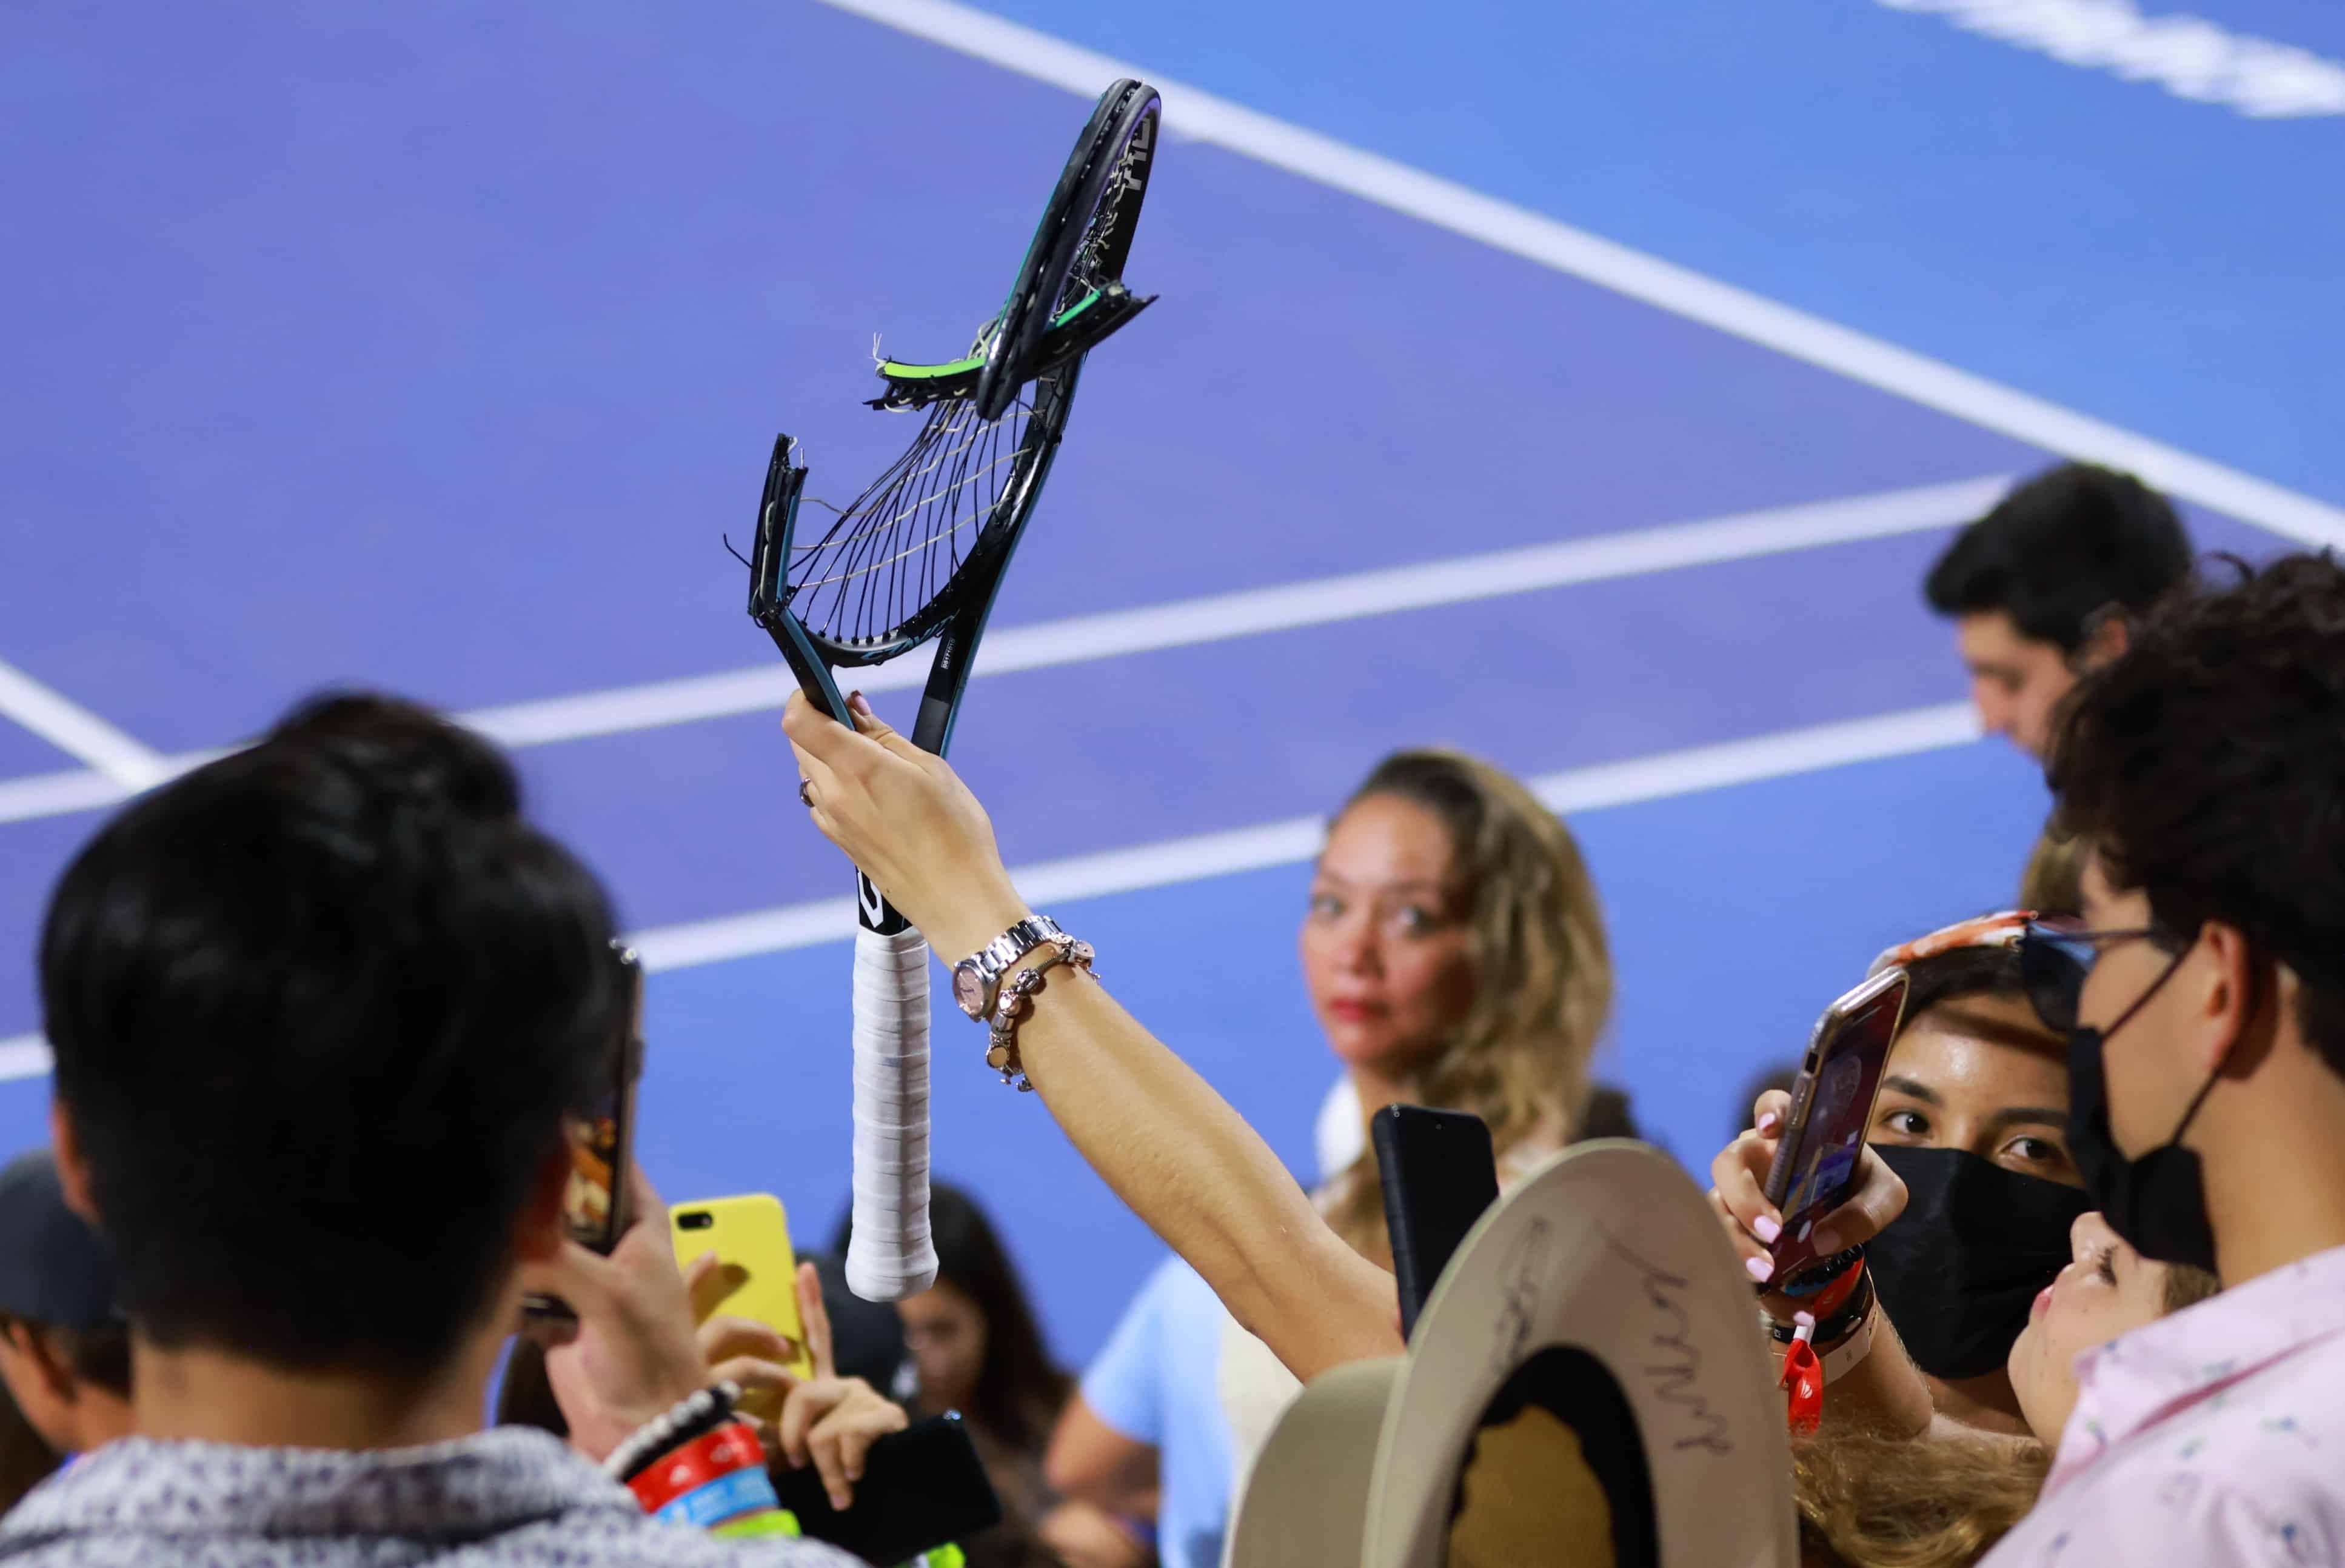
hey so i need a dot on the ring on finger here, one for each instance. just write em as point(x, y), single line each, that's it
point(806, 793)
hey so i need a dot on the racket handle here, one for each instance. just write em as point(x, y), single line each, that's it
point(891, 1256)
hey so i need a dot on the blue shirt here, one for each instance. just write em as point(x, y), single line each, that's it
point(1156, 1382)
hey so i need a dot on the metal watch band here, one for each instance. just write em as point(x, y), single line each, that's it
point(977, 977)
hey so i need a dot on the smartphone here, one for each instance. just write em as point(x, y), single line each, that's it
point(921, 1488)
point(602, 1139)
point(751, 1237)
point(1831, 1105)
point(1439, 1174)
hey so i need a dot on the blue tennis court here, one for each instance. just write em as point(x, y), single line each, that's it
point(434, 349)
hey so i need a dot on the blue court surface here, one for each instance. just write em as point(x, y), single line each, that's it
point(1588, 387)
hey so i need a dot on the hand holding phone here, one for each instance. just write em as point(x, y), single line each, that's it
point(1802, 1184)
point(601, 1140)
point(756, 1272)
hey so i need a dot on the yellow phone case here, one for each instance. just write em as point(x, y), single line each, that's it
point(750, 1234)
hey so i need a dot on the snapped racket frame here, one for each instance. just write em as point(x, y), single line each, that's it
point(920, 557)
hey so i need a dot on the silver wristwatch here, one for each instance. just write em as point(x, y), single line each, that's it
point(977, 979)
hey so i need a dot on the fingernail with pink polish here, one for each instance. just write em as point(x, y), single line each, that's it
point(1766, 1228)
point(1768, 1122)
point(856, 701)
point(1759, 1268)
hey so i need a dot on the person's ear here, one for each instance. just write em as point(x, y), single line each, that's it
point(538, 1229)
point(73, 1171)
point(2229, 1032)
point(2110, 636)
point(34, 1354)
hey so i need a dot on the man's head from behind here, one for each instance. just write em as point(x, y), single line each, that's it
point(2047, 584)
point(2206, 769)
point(319, 1009)
point(64, 1348)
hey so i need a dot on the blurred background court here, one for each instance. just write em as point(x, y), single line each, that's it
point(433, 347)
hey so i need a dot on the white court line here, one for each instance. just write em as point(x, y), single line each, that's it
point(1518, 230)
point(23, 1056)
point(1253, 611)
point(75, 731)
point(1571, 791)
point(1201, 855)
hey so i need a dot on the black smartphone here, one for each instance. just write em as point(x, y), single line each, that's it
point(1831, 1105)
point(1439, 1174)
point(602, 1139)
point(921, 1488)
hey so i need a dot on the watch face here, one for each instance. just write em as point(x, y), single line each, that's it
point(969, 989)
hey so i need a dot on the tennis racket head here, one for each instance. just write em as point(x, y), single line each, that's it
point(1084, 239)
point(924, 542)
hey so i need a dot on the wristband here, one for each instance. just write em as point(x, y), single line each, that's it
point(774, 1523)
point(704, 1458)
point(743, 1492)
point(1858, 1346)
point(699, 1411)
point(1838, 1308)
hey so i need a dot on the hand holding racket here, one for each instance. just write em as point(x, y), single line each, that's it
point(905, 819)
point(919, 555)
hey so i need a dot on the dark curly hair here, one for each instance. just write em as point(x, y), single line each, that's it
point(2207, 768)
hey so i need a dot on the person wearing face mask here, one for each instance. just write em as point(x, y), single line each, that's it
point(2203, 994)
point(1972, 1116)
point(1455, 956)
point(1870, 1500)
point(1969, 1130)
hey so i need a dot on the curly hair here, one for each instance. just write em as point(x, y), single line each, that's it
point(1868, 1501)
point(2207, 769)
point(1542, 970)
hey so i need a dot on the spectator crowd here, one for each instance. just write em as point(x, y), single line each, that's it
point(326, 1011)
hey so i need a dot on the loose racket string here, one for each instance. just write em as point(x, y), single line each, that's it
point(896, 546)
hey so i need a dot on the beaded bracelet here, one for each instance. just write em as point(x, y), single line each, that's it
point(1012, 1005)
point(703, 1411)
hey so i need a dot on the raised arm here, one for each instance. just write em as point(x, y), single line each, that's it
point(1169, 1147)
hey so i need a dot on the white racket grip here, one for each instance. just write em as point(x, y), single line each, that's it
point(891, 1256)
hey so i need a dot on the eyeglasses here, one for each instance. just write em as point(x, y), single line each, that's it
point(2054, 956)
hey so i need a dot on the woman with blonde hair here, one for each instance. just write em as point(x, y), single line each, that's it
point(1455, 957)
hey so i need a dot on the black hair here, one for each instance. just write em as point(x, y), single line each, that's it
point(2207, 769)
point(1962, 972)
point(99, 1356)
point(26, 1458)
point(2057, 552)
point(1020, 1388)
point(319, 1009)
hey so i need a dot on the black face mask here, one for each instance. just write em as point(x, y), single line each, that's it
point(2157, 1203)
point(1958, 1270)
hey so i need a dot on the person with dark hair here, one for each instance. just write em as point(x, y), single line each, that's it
point(2202, 995)
point(978, 1349)
point(324, 1012)
point(2048, 583)
point(1967, 1149)
point(64, 1348)
point(1972, 1115)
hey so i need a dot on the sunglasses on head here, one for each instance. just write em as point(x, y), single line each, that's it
point(2054, 956)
